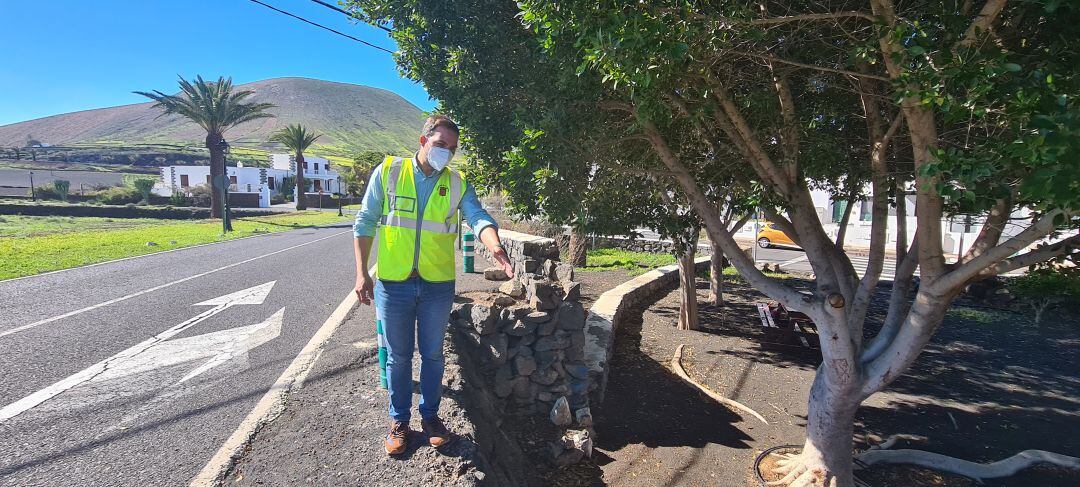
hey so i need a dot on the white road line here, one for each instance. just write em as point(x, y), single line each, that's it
point(793, 261)
point(155, 288)
point(272, 404)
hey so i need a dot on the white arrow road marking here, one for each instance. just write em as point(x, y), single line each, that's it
point(254, 295)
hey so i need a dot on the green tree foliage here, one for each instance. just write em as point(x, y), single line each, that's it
point(297, 139)
point(144, 186)
point(357, 175)
point(62, 186)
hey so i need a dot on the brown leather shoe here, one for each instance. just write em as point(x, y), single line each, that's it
point(437, 433)
point(397, 439)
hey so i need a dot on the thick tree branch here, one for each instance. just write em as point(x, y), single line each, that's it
point(822, 16)
point(1042, 254)
point(982, 23)
point(960, 276)
point(715, 228)
point(899, 305)
point(991, 230)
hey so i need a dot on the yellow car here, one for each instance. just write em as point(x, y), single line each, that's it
point(769, 235)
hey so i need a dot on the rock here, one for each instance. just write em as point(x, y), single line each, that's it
point(580, 439)
point(577, 370)
point(575, 352)
point(564, 272)
point(522, 388)
point(151, 244)
point(504, 301)
point(524, 348)
point(503, 378)
point(569, 457)
point(537, 316)
point(558, 389)
point(583, 417)
point(542, 296)
point(495, 345)
point(571, 316)
point(463, 310)
point(560, 412)
point(172, 242)
point(472, 336)
point(484, 319)
point(513, 288)
point(544, 377)
point(551, 342)
point(546, 328)
point(547, 357)
point(572, 290)
point(520, 328)
point(495, 274)
point(530, 264)
point(545, 396)
point(548, 270)
point(524, 366)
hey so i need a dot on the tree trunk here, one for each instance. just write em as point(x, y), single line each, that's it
point(841, 232)
point(830, 426)
point(301, 186)
point(578, 247)
point(716, 274)
point(217, 169)
point(688, 310)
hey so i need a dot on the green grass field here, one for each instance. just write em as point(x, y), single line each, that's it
point(635, 262)
point(34, 244)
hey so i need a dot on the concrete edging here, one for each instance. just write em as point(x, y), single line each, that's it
point(606, 316)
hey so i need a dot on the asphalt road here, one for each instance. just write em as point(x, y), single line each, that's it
point(89, 396)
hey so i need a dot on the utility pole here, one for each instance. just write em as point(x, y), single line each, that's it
point(33, 192)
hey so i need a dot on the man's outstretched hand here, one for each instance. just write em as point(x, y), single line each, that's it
point(504, 261)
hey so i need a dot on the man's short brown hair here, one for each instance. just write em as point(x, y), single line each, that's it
point(438, 120)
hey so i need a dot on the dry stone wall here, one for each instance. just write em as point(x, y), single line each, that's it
point(530, 340)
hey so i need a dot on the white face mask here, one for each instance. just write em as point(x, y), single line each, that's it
point(439, 157)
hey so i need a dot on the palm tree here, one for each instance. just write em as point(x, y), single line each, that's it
point(216, 108)
point(297, 139)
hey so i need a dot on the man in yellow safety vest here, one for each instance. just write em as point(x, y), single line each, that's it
point(415, 206)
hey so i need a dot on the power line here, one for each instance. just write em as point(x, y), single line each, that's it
point(335, 7)
point(271, 7)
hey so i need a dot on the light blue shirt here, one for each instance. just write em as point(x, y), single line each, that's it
point(371, 209)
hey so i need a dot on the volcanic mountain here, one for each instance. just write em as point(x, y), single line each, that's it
point(350, 117)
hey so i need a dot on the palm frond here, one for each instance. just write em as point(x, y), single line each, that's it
point(296, 137)
point(211, 104)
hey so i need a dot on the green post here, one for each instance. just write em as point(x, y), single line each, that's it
point(467, 250)
point(382, 353)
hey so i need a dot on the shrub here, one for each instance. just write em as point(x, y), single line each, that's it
point(118, 196)
point(201, 195)
point(179, 199)
point(277, 199)
point(1044, 288)
point(144, 186)
point(61, 186)
point(44, 193)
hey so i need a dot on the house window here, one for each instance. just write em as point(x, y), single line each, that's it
point(305, 165)
point(838, 208)
point(270, 182)
point(318, 186)
point(183, 181)
point(232, 180)
point(327, 167)
point(316, 168)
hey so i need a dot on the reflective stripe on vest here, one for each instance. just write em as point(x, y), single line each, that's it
point(413, 240)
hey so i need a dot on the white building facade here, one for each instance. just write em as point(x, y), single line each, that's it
point(265, 181)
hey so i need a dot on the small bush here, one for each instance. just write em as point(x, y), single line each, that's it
point(144, 186)
point(118, 196)
point(44, 193)
point(61, 186)
point(201, 195)
point(179, 199)
point(1043, 288)
point(277, 199)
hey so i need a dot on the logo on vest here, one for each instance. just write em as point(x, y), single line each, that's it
point(442, 190)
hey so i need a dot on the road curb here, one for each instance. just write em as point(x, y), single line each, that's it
point(272, 404)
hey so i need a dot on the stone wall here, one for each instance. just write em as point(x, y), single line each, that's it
point(529, 340)
point(638, 244)
point(607, 314)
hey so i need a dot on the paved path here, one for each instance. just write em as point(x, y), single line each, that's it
point(134, 372)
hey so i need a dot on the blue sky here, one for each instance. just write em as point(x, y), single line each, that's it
point(63, 55)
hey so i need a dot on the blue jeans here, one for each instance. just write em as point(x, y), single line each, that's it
point(414, 311)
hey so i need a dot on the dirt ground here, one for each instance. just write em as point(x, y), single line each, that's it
point(988, 386)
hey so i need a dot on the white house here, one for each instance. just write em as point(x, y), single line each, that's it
point(266, 181)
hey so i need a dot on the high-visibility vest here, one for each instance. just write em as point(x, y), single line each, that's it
point(409, 241)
